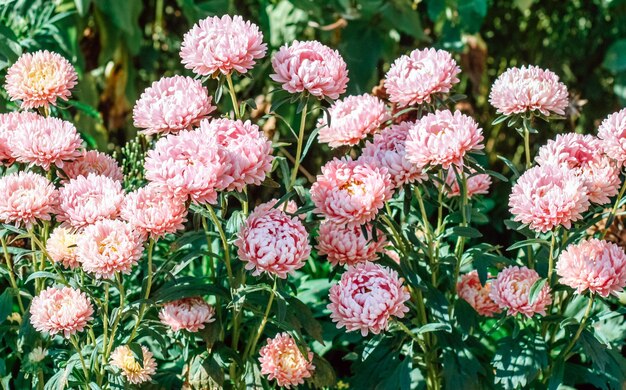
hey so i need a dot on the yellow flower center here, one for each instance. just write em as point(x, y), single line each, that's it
point(39, 76)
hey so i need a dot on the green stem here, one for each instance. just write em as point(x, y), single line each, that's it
point(12, 279)
point(551, 258)
point(233, 97)
point(611, 217)
point(244, 204)
point(581, 327)
point(460, 243)
point(429, 236)
point(80, 356)
point(143, 305)
point(296, 165)
point(251, 347)
point(527, 146)
point(397, 237)
point(118, 317)
point(225, 247)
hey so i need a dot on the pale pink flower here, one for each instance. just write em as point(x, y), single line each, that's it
point(45, 141)
point(172, 104)
point(471, 290)
point(548, 196)
point(92, 162)
point(26, 197)
point(511, 292)
point(526, 89)
point(8, 124)
point(289, 207)
point(350, 192)
point(594, 265)
point(154, 211)
point(85, 200)
point(583, 155)
point(612, 132)
point(188, 313)
point(61, 247)
point(60, 310)
point(477, 183)
point(414, 78)
point(366, 297)
point(443, 138)
point(312, 67)
point(222, 45)
point(282, 360)
point(346, 245)
point(351, 120)
point(134, 371)
point(388, 151)
point(247, 149)
point(39, 79)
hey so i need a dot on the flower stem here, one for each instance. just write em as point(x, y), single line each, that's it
point(527, 146)
point(611, 216)
point(460, 243)
point(581, 327)
point(259, 332)
point(143, 305)
point(12, 279)
point(296, 163)
point(220, 231)
point(80, 356)
point(118, 317)
point(551, 258)
point(398, 238)
point(233, 97)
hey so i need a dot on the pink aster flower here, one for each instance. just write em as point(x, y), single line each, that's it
point(60, 310)
point(45, 141)
point(154, 211)
point(443, 138)
point(526, 89)
point(282, 360)
point(247, 149)
point(222, 45)
point(134, 371)
point(388, 151)
point(61, 247)
point(8, 124)
point(346, 245)
point(511, 292)
point(612, 132)
point(366, 297)
point(350, 192)
point(477, 184)
point(26, 197)
point(39, 79)
point(272, 242)
point(583, 155)
point(414, 78)
point(109, 246)
point(470, 289)
point(594, 265)
point(189, 165)
point(289, 207)
point(172, 104)
point(189, 313)
point(85, 200)
point(548, 196)
point(351, 120)
point(312, 67)
point(92, 162)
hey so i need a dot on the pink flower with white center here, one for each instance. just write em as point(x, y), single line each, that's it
point(109, 246)
point(189, 164)
point(222, 45)
point(443, 138)
point(85, 200)
point(61, 247)
point(612, 132)
point(511, 292)
point(388, 151)
point(92, 162)
point(366, 297)
point(548, 196)
point(38, 79)
point(189, 313)
point(583, 155)
point(134, 371)
point(346, 245)
point(312, 67)
point(282, 360)
point(271, 241)
point(247, 149)
point(154, 211)
point(351, 120)
point(594, 265)
point(8, 124)
point(172, 104)
point(528, 89)
point(471, 290)
point(44, 142)
point(350, 192)
point(415, 78)
point(27, 197)
point(60, 310)
point(477, 183)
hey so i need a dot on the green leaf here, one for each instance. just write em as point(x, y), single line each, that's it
point(82, 6)
point(435, 327)
point(324, 376)
point(535, 289)
point(135, 348)
point(185, 288)
point(465, 231)
point(87, 109)
point(499, 120)
point(615, 57)
point(42, 274)
point(6, 303)
point(518, 361)
point(530, 241)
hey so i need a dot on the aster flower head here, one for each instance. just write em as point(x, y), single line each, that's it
point(612, 132)
point(351, 120)
point(190, 314)
point(61, 247)
point(312, 67)
point(528, 89)
point(346, 245)
point(366, 297)
point(222, 45)
point(477, 183)
point(8, 124)
point(271, 241)
point(123, 359)
point(25, 198)
point(62, 310)
point(415, 78)
point(38, 79)
point(350, 192)
point(282, 360)
point(548, 196)
point(172, 104)
point(92, 162)
point(471, 290)
point(594, 265)
point(289, 207)
point(511, 292)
